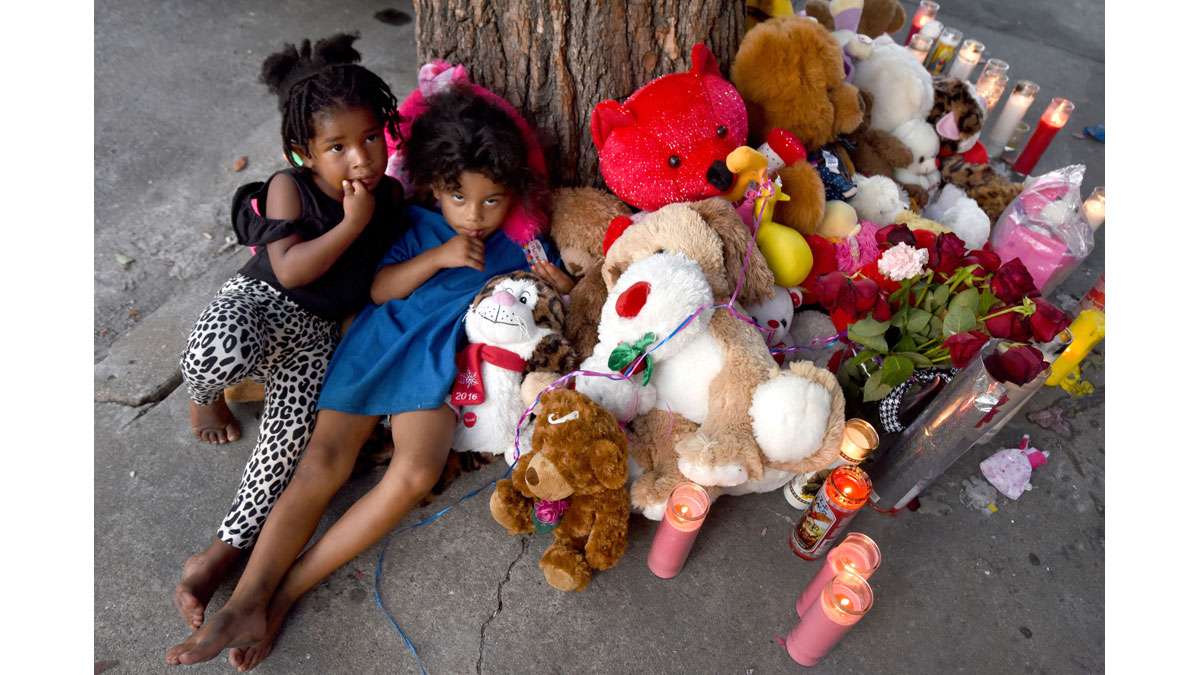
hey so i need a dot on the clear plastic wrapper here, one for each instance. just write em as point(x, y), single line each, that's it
point(1046, 228)
point(971, 409)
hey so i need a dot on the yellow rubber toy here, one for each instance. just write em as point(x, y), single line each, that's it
point(787, 253)
point(1086, 330)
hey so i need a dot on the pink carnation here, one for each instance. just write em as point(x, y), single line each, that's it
point(902, 262)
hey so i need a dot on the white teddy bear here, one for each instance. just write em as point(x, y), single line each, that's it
point(923, 141)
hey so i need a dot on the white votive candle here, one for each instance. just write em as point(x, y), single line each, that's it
point(968, 57)
point(1022, 96)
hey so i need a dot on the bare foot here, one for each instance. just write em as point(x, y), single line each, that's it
point(246, 659)
point(214, 423)
point(231, 627)
point(202, 573)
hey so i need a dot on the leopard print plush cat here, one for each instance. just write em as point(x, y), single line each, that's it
point(958, 114)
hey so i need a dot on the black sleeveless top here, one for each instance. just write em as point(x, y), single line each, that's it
point(346, 286)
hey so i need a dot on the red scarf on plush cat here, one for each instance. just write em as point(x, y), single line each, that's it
point(468, 385)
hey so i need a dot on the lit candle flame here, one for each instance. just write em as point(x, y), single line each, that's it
point(683, 510)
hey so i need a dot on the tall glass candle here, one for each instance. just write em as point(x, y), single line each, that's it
point(919, 47)
point(947, 42)
point(924, 13)
point(1093, 208)
point(968, 57)
point(859, 440)
point(991, 83)
point(858, 553)
point(843, 602)
point(845, 491)
point(1055, 118)
point(1015, 108)
point(686, 508)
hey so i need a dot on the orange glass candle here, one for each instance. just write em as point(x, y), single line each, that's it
point(845, 492)
point(842, 604)
point(1055, 118)
point(857, 553)
point(686, 509)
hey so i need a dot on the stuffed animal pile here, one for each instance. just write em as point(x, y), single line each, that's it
point(725, 201)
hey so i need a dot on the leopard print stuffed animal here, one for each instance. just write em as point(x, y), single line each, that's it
point(958, 115)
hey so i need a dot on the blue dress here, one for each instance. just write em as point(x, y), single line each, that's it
point(399, 356)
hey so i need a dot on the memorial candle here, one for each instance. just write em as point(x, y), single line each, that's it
point(842, 603)
point(991, 83)
point(1055, 118)
point(919, 47)
point(686, 508)
point(944, 49)
point(968, 57)
point(1015, 108)
point(1093, 208)
point(857, 552)
point(924, 13)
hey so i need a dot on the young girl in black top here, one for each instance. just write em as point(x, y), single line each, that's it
point(321, 228)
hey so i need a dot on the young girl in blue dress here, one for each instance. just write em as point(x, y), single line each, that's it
point(321, 228)
point(397, 359)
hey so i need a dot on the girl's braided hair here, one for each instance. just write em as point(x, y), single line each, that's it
point(461, 131)
point(325, 76)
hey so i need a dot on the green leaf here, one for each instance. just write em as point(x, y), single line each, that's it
point(875, 389)
point(868, 326)
point(919, 360)
point(875, 342)
point(907, 343)
point(861, 358)
point(987, 301)
point(968, 299)
point(940, 295)
point(957, 320)
point(935, 326)
point(896, 369)
point(918, 320)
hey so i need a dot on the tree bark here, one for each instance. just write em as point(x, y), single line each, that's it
point(556, 59)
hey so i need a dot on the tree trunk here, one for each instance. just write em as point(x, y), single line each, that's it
point(555, 60)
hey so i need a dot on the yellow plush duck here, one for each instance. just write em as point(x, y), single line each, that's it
point(785, 249)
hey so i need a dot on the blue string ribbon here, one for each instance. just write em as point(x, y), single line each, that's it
point(408, 643)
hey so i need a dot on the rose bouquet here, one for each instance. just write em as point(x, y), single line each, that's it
point(928, 302)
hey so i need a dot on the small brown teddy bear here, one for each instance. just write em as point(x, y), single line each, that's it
point(878, 16)
point(789, 72)
point(579, 454)
point(876, 152)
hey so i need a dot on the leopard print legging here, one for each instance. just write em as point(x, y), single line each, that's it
point(252, 330)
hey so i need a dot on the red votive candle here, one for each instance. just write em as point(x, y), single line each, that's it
point(857, 553)
point(686, 508)
point(842, 603)
point(1055, 118)
point(924, 13)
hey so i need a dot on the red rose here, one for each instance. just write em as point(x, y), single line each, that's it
point(895, 234)
point(1019, 364)
point(947, 253)
point(964, 346)
point(882, 310)
point(866, 293)
point(1009, 326)
point(1011, 283)
point(833, 290)
point(872, 272)
point(824, 257)
point(926, 240)
point(987, 260)
point(1047, 320)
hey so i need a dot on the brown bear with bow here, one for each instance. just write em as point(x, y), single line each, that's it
point(579, 454)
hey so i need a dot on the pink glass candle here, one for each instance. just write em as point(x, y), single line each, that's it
point(686, 508)
point(1055, 118)
point(924, 13)
point(843, 602)
point(858, 553)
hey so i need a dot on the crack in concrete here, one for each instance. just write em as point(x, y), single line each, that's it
point(499, 600)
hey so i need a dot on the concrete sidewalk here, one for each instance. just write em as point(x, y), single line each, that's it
point(960, 590)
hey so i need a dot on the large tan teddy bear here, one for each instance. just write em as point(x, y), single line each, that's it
point(710, 404)
point(579, 455)
point(789, 72)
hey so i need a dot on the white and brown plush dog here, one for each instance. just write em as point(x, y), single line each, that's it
point(710, 404)
point(514, 328)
